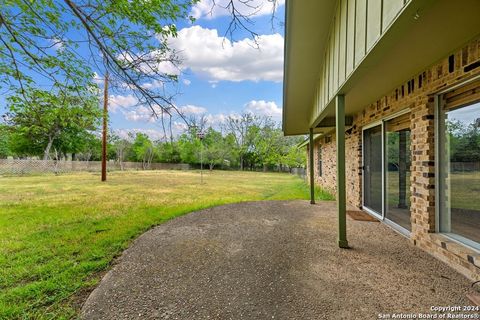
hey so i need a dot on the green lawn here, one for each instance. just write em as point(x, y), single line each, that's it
point(58, 233)
point(465, 190)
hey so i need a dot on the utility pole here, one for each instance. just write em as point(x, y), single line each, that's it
point(201, 162)
point(104, 131)
point(201, 135)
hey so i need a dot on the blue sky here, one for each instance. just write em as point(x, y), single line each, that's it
point(219, 77)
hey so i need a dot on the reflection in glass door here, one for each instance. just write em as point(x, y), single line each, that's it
point(397, 170)
point(372, 169)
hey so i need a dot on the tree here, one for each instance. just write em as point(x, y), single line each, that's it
point(122, 147)
point(189, 147)
point(49, 116)
point(168, 152)
point(216, 148)
point(65, 43)
point(293, 156)
point(89, 148)
point(267, 143)
point(464, 140)
point(4, 141)
point(143, 150)
point(238, 127)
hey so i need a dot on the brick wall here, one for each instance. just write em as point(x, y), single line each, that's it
point(416, 94)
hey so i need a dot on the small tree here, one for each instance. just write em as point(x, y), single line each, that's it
point(168, 152)
point(239, 127)
point(216, 148)
point(47, 116)
point(4, 141)
point(143, 150)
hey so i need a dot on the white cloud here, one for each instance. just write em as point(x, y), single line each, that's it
point(264, 108)
point(219, 119)
point(191, 109)
point(155, 84)
point(152, 63)
point(151, 133)
point(57, 44)
point(179, 126)
point(167, 67)
point(211, 9)
point(97, 79)
point(119, 101)
point(186, 82)
point(216, 119)
point(210, 55)
point(133, 111)
point(141, 113)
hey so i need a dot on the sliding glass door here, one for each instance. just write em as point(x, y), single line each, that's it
point(386, 170)
point(372, 169)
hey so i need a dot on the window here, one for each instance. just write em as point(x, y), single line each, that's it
point(397, 170)
point(319, 159)
point(459, 159)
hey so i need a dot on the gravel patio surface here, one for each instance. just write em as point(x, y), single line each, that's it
point(272, 260)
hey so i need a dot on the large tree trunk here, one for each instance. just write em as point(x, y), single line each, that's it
point(46, 154)
point(241, 163)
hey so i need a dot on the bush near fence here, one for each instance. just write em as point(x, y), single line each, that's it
point(22, 166)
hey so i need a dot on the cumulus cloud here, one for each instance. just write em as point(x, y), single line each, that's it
point(179, 126)
point(151, 133)
point(264, 108)
point(210, 55)
point(141, 113)
point(133, 111)
point(120, 101)
point(216, 120)
point(191, 109)
point(186, 82)
point(155, 84)
point(211, 9)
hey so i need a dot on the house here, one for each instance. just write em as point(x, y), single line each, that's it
point(389, 93)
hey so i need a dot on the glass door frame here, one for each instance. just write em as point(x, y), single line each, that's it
point(381, 215)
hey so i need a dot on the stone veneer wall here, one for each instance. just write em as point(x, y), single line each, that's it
point(416, 94)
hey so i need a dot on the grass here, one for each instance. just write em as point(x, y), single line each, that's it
point(465, 190)
point(59, 233)
point(393, 193)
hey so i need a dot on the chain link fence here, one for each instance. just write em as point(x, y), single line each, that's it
point(301, 172)
point(25, 167)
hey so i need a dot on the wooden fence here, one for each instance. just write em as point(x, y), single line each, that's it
point(22, 166)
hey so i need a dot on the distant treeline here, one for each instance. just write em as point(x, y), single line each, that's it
point(244, 142)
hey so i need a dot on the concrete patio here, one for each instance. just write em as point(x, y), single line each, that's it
point(272, 260)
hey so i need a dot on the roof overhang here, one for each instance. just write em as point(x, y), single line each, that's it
point(424, 33)
point(306, 32)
